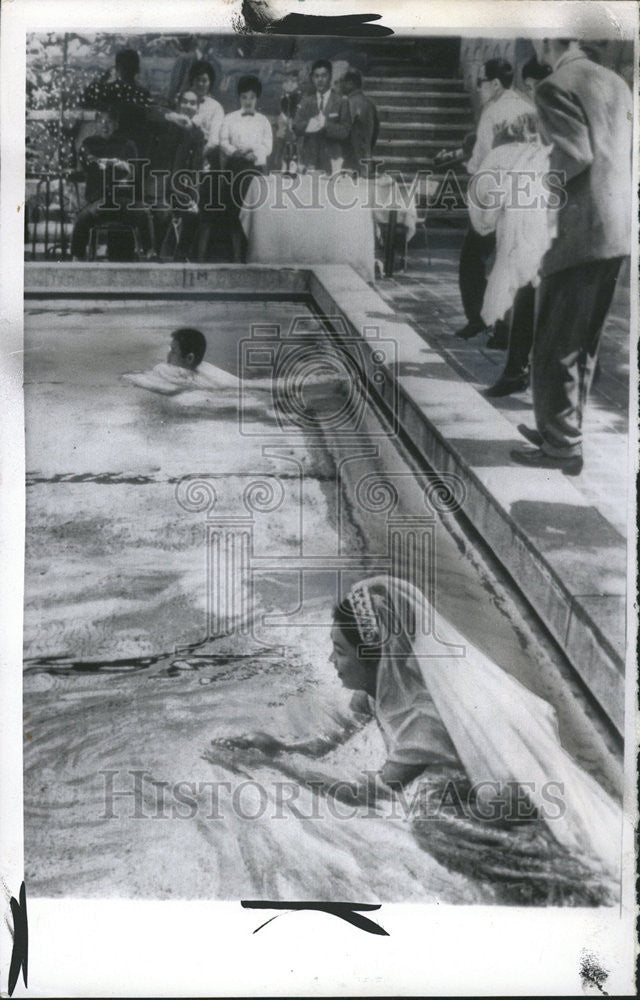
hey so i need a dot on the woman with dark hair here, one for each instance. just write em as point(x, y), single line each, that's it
point(192, 49)
point(210, 113)
point(494, 792)
point(246, 140)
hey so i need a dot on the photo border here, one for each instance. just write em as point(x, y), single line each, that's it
point(139, 948)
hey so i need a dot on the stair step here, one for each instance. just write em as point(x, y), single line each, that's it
point(395, 85)
point(449, 85)
point(419, 127)
point(423, 185)
point(409, 98)
point(426, 175)
point(410, 166)
point(417, 144)
point(398, 109)
point(402, 68)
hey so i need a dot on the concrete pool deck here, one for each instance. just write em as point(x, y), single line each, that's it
point(564, 556)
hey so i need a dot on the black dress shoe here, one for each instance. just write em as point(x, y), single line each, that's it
point(470, 330)
point(499, 340)
point(533, 436)
point(497, 343)
point(505, 386)
point(539, 460)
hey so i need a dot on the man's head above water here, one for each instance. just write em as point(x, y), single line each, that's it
point(187, 349)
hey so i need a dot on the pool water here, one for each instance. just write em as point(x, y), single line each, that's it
point(122, 692)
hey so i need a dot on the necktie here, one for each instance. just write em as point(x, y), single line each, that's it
point(321, 102)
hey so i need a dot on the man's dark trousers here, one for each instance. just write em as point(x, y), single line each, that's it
point(520, 333)
point(474, 255)
point(571, 307)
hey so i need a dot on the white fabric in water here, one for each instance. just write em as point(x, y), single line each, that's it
point(409, 721)
point(171, 379)
point(501, 731)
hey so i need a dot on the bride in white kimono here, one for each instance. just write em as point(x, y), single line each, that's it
point(499, 797)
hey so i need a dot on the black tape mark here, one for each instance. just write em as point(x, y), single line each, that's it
point(345, 911)
point(20, 953)
point(257, 17)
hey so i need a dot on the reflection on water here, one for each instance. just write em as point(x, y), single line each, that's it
point(122, 696)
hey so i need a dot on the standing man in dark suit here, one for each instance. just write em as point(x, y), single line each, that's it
point(585, 113)
point(365, 124)
point(323, 121)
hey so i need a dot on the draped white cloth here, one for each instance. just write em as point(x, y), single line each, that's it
point(501, 732)
point(168, 380)
point(313, 219)
point(509, 196)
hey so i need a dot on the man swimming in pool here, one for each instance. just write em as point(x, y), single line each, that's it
point(184, 368)
point(185, 371)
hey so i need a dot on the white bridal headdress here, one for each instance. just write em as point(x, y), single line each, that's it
point(366, 621)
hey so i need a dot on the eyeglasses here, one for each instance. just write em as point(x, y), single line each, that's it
point(481, 80)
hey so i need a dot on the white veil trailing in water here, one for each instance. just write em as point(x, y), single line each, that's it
point(502, 732)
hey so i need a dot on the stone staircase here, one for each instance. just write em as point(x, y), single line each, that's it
point(419, 116)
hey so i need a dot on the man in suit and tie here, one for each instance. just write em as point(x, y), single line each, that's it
point(586, 114)
point(323, 122)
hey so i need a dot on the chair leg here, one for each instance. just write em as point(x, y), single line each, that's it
point(176, 228)
point(137, 244)
point(427, 241)
point(203, 241)
point(405, 254)
point(152, 233)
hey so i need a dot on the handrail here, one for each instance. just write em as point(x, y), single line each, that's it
point(47, 178)
point(53, 114)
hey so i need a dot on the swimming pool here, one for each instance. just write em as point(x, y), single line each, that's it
point(128, 495)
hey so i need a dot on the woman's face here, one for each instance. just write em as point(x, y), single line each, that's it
point(354, 674)
point(248, 101)
point(105, 125)
point(201, 84)
point(188, 103)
